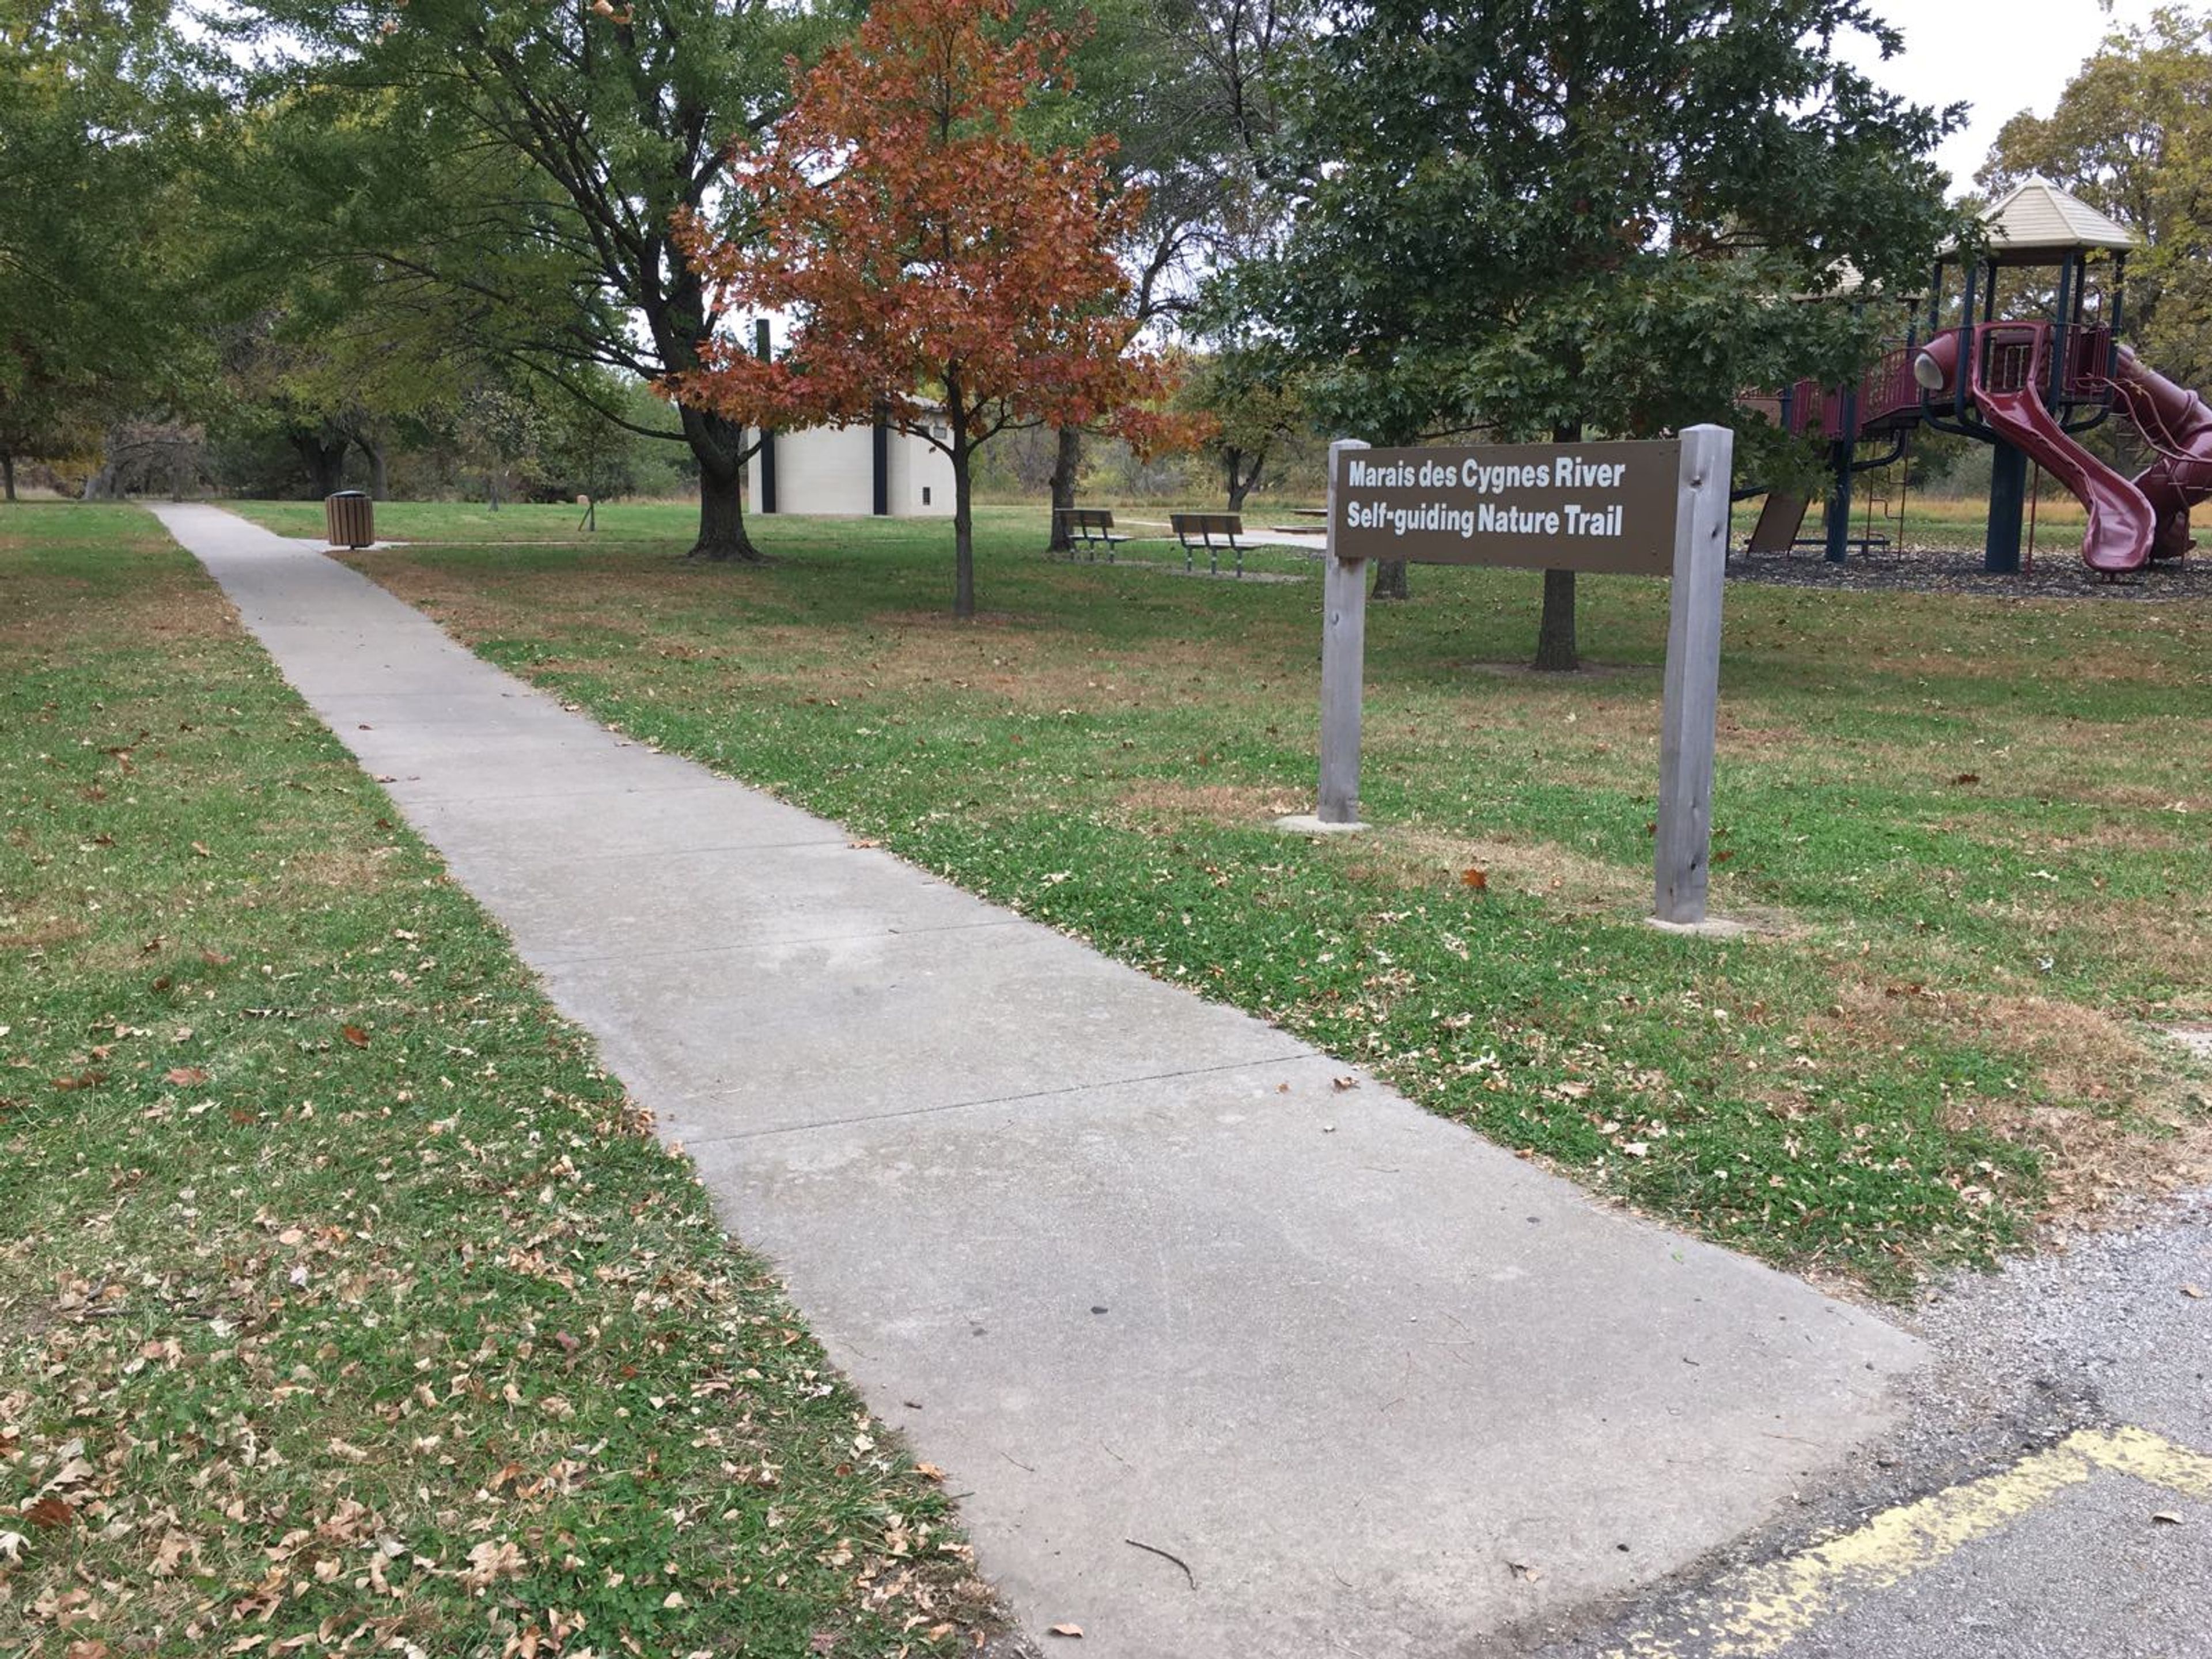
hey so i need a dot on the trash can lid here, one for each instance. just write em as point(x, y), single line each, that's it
point(347, 495)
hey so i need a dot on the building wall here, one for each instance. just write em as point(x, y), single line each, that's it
point(825, 469)
point(921, 479)
point(830, 470)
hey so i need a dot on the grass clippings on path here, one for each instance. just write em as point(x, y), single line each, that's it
point(346, 1307)
point(1976, 832)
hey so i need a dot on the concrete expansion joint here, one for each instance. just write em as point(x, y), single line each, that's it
point(555, 961)
point(941, 1108)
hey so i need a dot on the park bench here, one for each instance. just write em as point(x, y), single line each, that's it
point(1091, 528)
point(1213, 532)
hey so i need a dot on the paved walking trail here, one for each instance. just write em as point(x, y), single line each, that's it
point(1127, 1263)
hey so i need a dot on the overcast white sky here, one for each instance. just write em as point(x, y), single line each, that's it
point(2000, 55)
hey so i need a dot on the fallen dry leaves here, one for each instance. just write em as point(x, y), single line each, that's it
point(346, 1306)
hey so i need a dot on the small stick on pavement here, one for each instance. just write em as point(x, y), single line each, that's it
point(1154, 1549)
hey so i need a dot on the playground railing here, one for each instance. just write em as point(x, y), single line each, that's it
point(1889, 388)
point(2014, 353)
point(1806, 407)
point(1886, 391)
point(2088, 363)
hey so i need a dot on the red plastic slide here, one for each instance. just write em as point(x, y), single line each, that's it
point(2176, 423)
point(2122, 524)
point(2008, 377)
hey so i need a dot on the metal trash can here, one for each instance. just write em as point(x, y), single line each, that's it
point(350, 518)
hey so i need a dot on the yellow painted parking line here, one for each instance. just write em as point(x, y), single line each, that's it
point(1761, 1610)
point(2149, 1457)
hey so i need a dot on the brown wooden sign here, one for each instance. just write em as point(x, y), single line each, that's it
point(1608, 507)
point(1652, 508)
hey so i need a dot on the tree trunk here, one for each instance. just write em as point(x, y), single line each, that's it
point(722, 535)
point(963, 527)
point(491, 490)
point(326, 462)
point(1243, 479)
point(1066, 461)
point(963, 454)
point(7, 475)
point(719, 447)
point(1555, 633)
point(380, 476)
point(1390, 581)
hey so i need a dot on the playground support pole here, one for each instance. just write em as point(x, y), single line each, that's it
point(2008, 501)
point(1343, 651)
point(2119, 313)
point(1839, 517)
point(1968, 344)
point(2035, 503)
point(1903, 495)
point(1683, 858)
point(2061, 328)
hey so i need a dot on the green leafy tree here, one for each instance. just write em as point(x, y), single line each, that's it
point(332, 354)
point(1542, 218)
point(97, 130)
point(498, 429)
point(519, 168)
point(326, 385)
point(582, 453)
point(1189, 89)
point(1254, 408)
point(2132, 136)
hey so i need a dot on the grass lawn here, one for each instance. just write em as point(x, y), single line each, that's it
point(345, 1305)
point(1929, 522)
point(473, 522)
point(1977, 832)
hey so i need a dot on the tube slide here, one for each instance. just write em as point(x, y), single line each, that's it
point(2177, 424)
point(2123, 523)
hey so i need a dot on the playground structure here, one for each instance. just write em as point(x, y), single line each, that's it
point(2028, 387)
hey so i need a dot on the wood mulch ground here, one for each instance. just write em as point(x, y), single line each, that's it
point(2057, 572)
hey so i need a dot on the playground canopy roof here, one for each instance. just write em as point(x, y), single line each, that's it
point(2039, 223)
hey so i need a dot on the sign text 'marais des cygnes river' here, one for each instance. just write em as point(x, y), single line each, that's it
point(1561, 507)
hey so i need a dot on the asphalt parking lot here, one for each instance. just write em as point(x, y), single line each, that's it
point(2049, 1495)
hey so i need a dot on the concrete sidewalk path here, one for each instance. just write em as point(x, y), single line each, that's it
point(1128, 1264)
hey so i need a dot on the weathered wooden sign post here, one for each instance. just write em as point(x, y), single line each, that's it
point(1641, 508)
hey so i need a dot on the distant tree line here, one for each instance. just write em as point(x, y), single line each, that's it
point(503, 248)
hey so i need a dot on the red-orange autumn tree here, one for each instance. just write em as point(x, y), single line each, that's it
point(939, 270)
